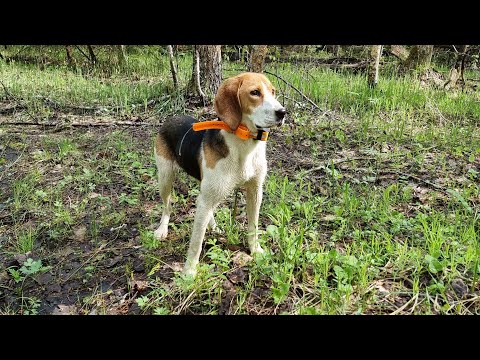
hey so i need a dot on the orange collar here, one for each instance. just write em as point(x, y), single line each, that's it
point(242, 131)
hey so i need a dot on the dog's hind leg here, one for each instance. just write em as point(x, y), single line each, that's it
point(166, 174)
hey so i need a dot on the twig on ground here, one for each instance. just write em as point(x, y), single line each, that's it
point(329, 162)
point(96, 252)
point(400, 309)
point(438, 187)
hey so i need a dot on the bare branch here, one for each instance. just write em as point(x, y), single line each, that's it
point(197, 75)
point(294, 88)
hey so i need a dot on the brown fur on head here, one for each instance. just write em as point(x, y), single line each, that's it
point(227, 103)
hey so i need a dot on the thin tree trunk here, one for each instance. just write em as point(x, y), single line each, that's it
point(196, 74)
point(70, 59)
point(257, 59)
point(121, 55)
point(462, 68)
point(373, 64)
point(457, 70)
point(420, 58)
point(93, 58)
point(173, 67)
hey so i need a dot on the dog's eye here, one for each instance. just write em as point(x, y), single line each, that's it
point(273, 92)
point(255, 93)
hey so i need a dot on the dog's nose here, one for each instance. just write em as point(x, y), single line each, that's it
point(280, 113)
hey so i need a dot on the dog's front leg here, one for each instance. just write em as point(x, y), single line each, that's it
point(203, 215)
point(254, 200)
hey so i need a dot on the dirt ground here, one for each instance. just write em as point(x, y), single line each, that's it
point(108, 272)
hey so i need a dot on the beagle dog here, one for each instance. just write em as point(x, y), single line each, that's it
point(223, 155)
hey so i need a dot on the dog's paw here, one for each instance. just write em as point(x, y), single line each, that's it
point(212, 226)
point(189, 271)
point(215, 230)
point(257, 250)
point(161, 233)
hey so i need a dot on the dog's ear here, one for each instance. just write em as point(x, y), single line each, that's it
point(227, 102)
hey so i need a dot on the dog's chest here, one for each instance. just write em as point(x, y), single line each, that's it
point(246, 163)
point(251, 166)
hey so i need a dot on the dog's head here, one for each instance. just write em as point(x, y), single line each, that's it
point(249, 98)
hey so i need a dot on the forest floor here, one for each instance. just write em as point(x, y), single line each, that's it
point(81, 203)
point(365, 212)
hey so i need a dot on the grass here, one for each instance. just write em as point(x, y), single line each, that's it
point(109, 93)
point(350, 219)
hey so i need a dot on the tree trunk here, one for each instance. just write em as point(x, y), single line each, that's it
point(257, 58)
point(173, 68)
point(373, 64)
point(121, 55)
point(420, 58)
point(210, 68)
point(457, 71)
point(399, 51)
point(334, 49)
point(93, 58)
point(70, 59)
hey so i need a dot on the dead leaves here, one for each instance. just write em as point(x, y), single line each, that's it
point(138, 285)
point(79, 233)
point(421, 193)
point(65, 310)
point(236, 276)
point(241, 259)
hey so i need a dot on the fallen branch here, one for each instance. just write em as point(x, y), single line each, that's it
point(294, 88)
point(335, 61)
point(16, 100)
point(335, 163)
point(80, 124)
point(331, 162)
point(360, 64)
point(438, 187)
point(55, 105)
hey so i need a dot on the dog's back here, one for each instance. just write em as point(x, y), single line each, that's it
point(176, 141)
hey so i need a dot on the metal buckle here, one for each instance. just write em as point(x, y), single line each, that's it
point(262, 135)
